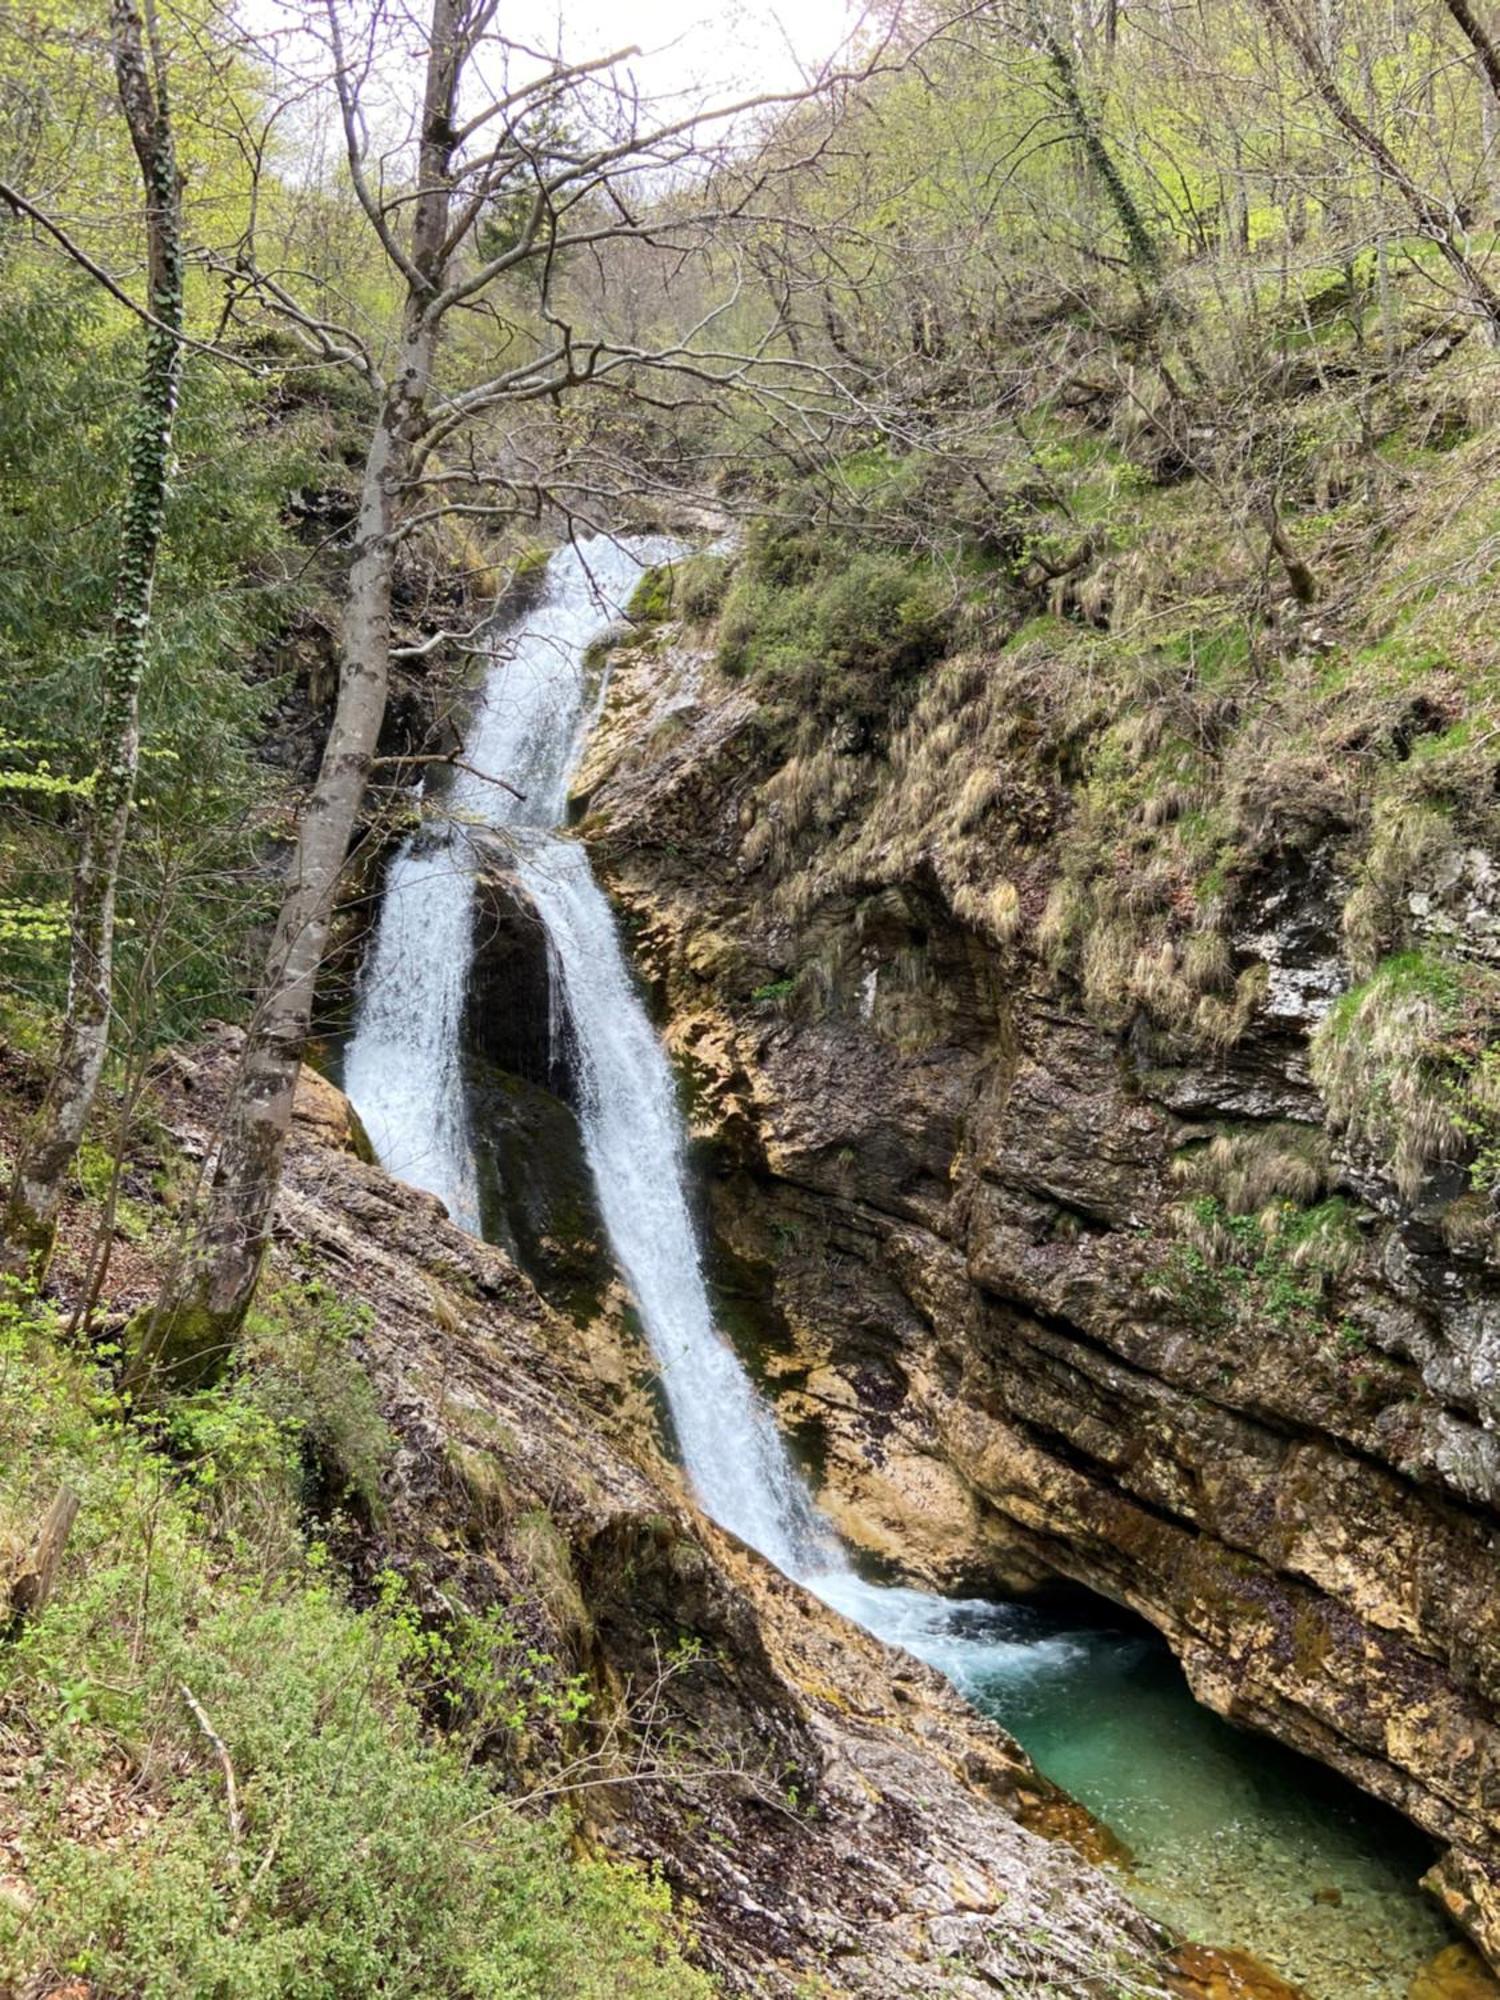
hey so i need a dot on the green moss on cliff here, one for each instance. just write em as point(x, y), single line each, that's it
point(1406, 1064)
point(1130, 747)
point(831, 632)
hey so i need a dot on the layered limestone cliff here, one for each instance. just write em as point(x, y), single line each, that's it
point(1032, 1319)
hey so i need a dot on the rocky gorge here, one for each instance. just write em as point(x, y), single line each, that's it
point(832, 1817)
point(956, 1193)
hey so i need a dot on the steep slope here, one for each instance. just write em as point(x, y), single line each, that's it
point(830, 1816)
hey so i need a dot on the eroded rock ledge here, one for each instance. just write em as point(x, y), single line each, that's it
point(960, 1189)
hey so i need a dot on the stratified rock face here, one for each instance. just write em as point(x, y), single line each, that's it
point(970, 1196)
point(831, 1816)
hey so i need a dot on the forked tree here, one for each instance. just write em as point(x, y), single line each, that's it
point(503, 185)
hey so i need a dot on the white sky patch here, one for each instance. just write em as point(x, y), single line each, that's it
point(740, 47)
point(694, 56)
point(690, 50)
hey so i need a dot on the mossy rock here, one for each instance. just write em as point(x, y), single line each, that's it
point(536, 1192)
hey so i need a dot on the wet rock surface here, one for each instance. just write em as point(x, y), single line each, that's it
point(1455, 1974)
point(1199, 1973)
point(832, 1818)
point(962, 1190)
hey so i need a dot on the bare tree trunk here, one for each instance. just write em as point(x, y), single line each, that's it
point(30, 1221)
point(25, 1592)
point(195, 1324)
point(1480, 40)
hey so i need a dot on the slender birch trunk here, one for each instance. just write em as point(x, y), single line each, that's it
point(30, 1219)
point(193, 1328)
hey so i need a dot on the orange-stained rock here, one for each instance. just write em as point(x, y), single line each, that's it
point(961, 1190)
point(326, 1111)
point(1199, 1973)
point(1455, 1974)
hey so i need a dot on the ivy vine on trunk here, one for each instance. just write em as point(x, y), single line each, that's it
point(189, 1333)
point(30, 1220)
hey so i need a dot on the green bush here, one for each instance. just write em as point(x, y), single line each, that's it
point(1273, 1269)
point(692, 588)
point(367, 1854)
point(845, 638)
point(702, 582)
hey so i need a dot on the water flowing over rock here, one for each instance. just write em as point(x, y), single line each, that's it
point(961, 1186)
point(832, 1813)
point(888, 1128)
point(403, 1064)
point(404, 1071)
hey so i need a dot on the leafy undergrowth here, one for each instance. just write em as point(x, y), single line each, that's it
point(196, 1635)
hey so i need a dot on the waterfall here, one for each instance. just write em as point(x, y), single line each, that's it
point(401, 1067)
point(1118, 1742)
point(633, 1137)
point(402, 1073)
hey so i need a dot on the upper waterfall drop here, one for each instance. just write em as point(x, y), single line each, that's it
point(401, 1066)
point(403, 1073)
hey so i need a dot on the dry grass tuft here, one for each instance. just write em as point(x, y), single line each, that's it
point(1254, 1167)
point(1380, 1061)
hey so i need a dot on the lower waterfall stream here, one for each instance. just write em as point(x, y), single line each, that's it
point(1234, 1842)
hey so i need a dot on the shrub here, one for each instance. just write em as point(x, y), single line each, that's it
point(702, 582)
point(367, 1854)
point(1275, 1268)
point(692, 588)
point(845, 640)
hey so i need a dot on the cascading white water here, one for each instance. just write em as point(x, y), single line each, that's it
point(401, 1066)
point(633, 1137)
point(402, 1071)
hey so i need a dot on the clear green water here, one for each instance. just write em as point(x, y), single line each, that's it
point(1232, 1836)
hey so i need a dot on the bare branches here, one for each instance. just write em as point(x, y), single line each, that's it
point(19, 205)
point(231, 1789)
point(1436, 223)
point(1479, 39)
point(456, 763)
point(347, 84)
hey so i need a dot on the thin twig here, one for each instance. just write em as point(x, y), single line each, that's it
point(242, 1908)
point(216, 1742)
point(458, 764)
point(16, 201)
